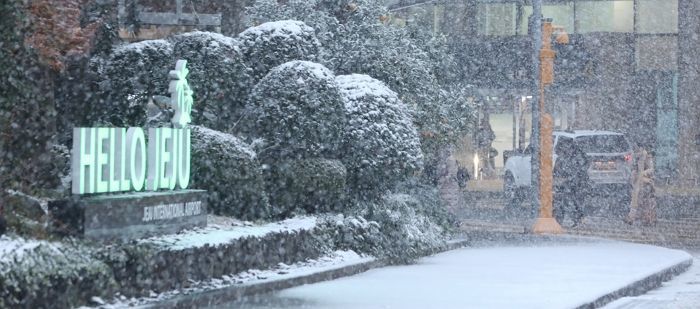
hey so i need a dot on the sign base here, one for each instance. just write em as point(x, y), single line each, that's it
point(129, 216)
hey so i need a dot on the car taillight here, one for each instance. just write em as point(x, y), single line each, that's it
point(628, 158)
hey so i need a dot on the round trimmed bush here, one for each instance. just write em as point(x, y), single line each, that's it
point(131, 75)
point(229, 170)
point(382, 146)
point(298, 111)
point(273, 43)
point(306, 185)
point(218, 77)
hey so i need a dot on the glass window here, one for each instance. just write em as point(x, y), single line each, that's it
point(605, 16)
point(561, 15)
point(657, 16)
point(603, 144)
point(497, 19)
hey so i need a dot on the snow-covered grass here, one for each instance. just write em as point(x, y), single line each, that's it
point(214, 235)
point(551, 275)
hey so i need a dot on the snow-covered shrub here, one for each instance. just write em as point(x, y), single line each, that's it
point(355, 233)
point(429, 204)
point(406, 232)
point(415, 63)
point(273, 43)
point(131, 75)
point(382, 146)
point(40, 274)
point(218, 77)
point(298, 110)
point(306, 185)
point(229, 170)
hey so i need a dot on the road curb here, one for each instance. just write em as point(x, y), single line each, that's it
point(231, 293)
point(641, 286)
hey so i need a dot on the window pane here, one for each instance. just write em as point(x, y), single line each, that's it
point(658, 16)
point(603, 144)
point(496, 19)
point(605, 16)
point(562, 15)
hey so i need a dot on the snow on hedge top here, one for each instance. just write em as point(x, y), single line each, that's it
point(140, 47)
point(282, 28)
point(298, 110)
point(214, 235)
point(317, 70)
point(214, 137)
point(215, 39)
point(13, 248)
point(356, 86)
point(271, 44)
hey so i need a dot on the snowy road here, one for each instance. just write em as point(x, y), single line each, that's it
point(682, 292)
point(561, 275)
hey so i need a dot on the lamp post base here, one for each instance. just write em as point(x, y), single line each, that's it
point(547, 226)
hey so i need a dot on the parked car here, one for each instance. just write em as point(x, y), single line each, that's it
point(611, 158)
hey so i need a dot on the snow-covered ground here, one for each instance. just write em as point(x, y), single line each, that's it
point(563, 275)
point(682, 292)
point(218, 232)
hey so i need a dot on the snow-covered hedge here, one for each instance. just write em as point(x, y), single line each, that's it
point(406, 233)
point(273, 43)
point(382, 146)
point(306, 185)
point(218, 77)
point(298, 110)
point(155, 264)
point(131, 75)
point(229, 170)
point(40, 274)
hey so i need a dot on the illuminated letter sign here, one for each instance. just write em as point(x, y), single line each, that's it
point(119, 159)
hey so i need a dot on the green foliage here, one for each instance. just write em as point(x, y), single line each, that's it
point(131, 76)
point(273, 43)
point(229, 170)
point(381, 143)
point(409, 61)
point(394, 227)
point(306, 186)
point(27, 113)
point(218, 76)
point(298, 110)
point(62, 275)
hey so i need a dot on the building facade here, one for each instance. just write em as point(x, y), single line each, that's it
point(630, 66)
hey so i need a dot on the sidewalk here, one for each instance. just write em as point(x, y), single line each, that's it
point(559, 272)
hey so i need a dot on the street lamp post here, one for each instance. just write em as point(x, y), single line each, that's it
point(542, 123)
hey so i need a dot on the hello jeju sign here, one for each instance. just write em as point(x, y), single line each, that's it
point(126, 185)
point(118, 159)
